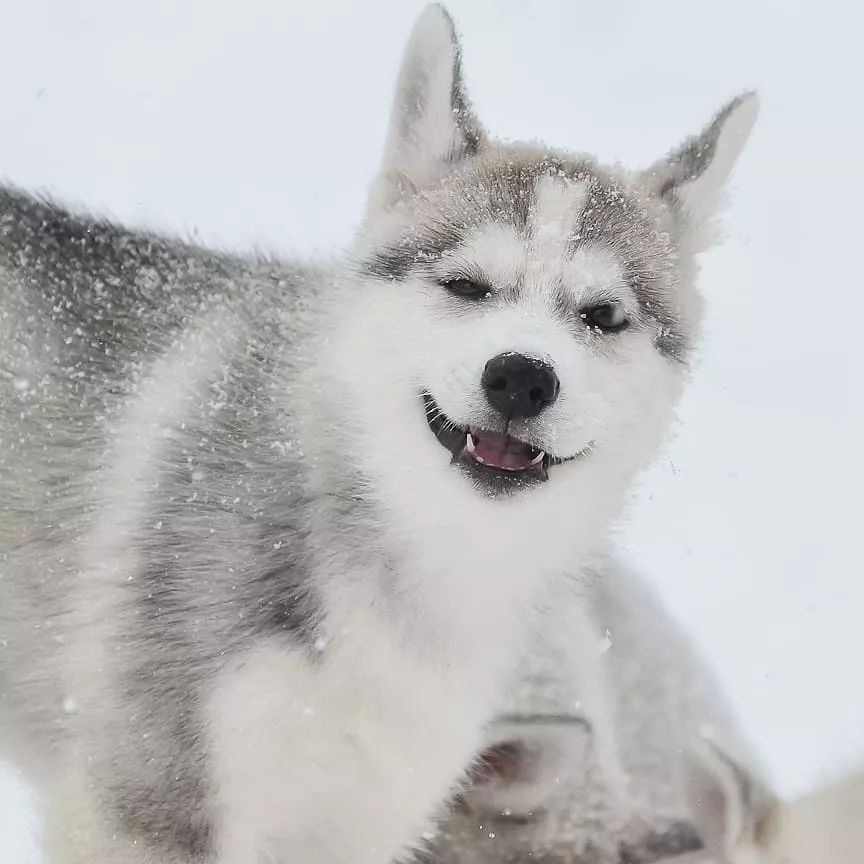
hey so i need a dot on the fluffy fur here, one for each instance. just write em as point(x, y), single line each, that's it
point(614, 747)
point(252, 610)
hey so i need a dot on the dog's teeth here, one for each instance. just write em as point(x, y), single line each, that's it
point(538, 458)
point(469, 443)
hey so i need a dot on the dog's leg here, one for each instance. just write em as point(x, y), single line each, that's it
point(311, 766)
point(76, 830)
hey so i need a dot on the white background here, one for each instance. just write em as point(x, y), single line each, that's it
point(262, 123)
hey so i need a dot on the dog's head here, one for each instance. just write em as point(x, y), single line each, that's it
point(535, 309)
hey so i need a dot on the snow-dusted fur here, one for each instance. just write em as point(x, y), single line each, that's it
point(252, 610)
point(608, 731)
point(615, 747)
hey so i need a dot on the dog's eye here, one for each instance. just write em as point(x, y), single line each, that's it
point(608, 317)
point(466, 288)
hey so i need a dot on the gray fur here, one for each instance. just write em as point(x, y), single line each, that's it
point(662, 845)
point(472, 133)
point(692, 158)
point(629, 788)
point(87, 292)
point(613, 218)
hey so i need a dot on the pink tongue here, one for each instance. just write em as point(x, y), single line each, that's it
point(493, 450)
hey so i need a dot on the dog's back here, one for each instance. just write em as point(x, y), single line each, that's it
point(86, 310)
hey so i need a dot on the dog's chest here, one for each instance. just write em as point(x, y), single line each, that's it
point(379, 734)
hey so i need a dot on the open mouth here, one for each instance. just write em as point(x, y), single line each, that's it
point(487, 451)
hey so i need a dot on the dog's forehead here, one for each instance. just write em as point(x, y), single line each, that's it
point(555, 248)
point(534, 193)
point(552, 204)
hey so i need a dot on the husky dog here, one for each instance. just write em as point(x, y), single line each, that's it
point(274, 537)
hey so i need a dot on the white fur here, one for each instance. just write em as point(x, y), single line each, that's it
point(422, 132)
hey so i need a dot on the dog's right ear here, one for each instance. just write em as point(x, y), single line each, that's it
point(431, 126)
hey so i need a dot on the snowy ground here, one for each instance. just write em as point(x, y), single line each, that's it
point(262, 122)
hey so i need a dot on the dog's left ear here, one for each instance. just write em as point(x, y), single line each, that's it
point(431, 124)
point(692, 177)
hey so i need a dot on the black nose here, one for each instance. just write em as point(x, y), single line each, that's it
point(519, 386)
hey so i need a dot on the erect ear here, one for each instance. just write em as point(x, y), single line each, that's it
point(692, 177)
point(431, 124)
point(730, 807)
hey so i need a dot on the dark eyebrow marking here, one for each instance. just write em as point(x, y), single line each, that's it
point(669, 339)
point(500, 193)
point(611, 219)
point(395, 262)
point(674, 840)
point(545, 720)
